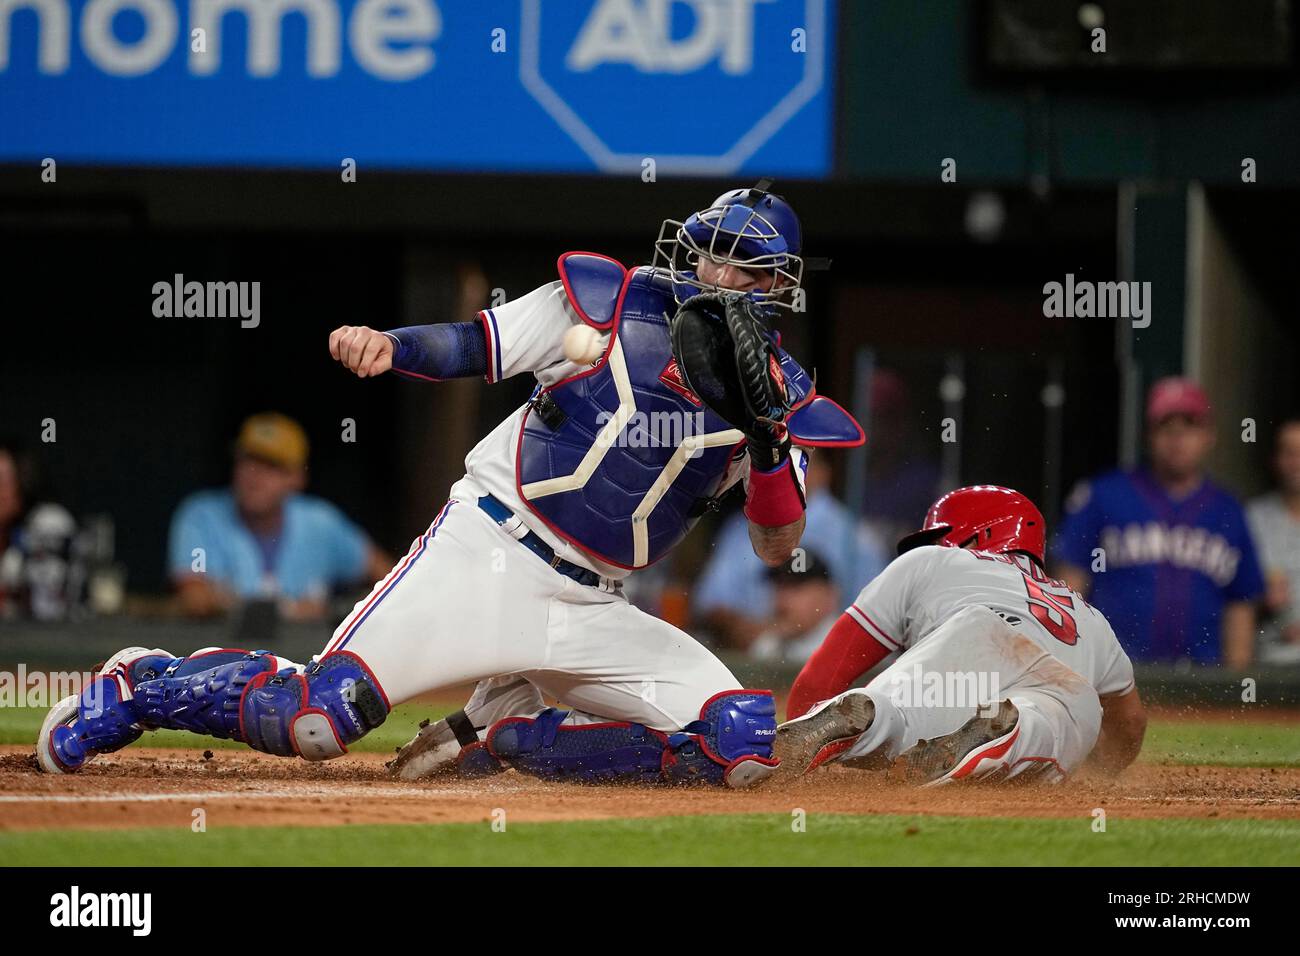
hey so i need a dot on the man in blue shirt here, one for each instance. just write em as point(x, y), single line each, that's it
point(1166, 554)
point(263, 538)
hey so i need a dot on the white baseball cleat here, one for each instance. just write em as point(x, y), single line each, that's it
point(61, 714)
point(974, 750)
point(826, 731)
point(430, 753)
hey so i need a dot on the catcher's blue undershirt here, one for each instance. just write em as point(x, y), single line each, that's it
point(438, 352)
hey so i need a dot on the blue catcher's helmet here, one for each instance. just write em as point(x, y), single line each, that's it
point(750, 228)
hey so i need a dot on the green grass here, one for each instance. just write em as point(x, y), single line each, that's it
point(1216, 743)
point(1224, 744)
point(749, 840)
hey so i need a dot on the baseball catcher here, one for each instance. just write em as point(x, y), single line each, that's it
point(517, 583)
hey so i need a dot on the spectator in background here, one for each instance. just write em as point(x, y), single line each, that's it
point(805, 605)
point(261, 538)
point(42, 574)
point(15, 488)
point(733, 597)
point(1180, 575)
point(1275, 523)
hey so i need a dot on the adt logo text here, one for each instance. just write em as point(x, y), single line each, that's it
point(711, 79)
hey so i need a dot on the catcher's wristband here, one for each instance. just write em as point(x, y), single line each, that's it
point(774, 497)
point(766, 452)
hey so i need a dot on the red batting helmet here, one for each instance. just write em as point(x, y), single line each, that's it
point(983, 517)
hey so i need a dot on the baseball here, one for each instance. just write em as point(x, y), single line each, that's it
point(583, 344)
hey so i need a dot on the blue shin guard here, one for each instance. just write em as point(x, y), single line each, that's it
point(233, 694)
point(613, 752)
point(202, 693)
point(731, 744)
point(316, 714)
point(247, 696)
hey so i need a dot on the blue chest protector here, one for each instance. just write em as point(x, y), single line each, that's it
point(622, 459)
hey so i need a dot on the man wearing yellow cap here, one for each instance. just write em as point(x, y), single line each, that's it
point(262, 537)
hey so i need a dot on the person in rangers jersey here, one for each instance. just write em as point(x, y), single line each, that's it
point(516, 583)
point(996, 670)
point(1164, 551)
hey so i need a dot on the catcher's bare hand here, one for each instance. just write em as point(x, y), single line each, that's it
point(362, 350)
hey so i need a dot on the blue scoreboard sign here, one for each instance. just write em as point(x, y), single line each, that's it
point(697, 86)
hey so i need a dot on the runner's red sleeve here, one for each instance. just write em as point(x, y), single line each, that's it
point(847, 653)
point(774, 497)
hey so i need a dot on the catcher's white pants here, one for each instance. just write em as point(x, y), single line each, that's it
point(970, 662)
point(470, 603)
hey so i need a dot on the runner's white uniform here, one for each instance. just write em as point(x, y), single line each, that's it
point(469, 603)
point(970, 628)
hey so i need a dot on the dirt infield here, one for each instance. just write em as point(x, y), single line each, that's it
point(156, 787)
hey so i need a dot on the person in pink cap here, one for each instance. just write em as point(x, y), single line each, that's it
point(1162, 551)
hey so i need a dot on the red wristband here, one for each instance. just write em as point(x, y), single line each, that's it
point(774, 498)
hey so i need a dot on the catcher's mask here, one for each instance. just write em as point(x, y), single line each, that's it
point(984, 518)
point(750, 228)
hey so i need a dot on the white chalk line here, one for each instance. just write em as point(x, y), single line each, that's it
point(1228, 801)
point(296, 793)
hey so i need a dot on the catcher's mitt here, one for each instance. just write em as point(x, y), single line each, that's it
point(727, 358)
